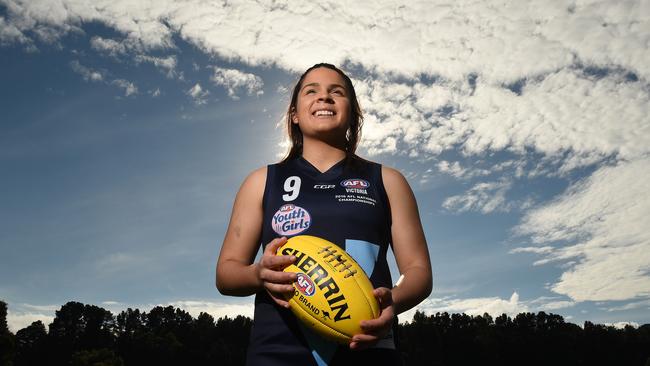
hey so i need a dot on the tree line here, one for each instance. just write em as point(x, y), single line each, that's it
point(84, 335)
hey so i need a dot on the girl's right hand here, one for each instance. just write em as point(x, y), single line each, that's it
point(277, 283)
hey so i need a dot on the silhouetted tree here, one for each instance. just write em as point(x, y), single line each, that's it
point(7, 342)
point(88, 335)
point(131, 331)
point(78, 327)
point(31, 345)
point(231, 339)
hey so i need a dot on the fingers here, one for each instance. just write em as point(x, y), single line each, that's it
point(363, 341)
point(384, 296)
point(272, 247)
point(277, 283)
point(282, 279)
point(280, 288)
point(372, 326)
point(276, 262)
point(375, 329)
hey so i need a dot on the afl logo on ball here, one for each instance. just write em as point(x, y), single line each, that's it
point(290, 220)
point(305, 285)
point(355, 183)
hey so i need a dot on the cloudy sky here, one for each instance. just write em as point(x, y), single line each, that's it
point(126, 128)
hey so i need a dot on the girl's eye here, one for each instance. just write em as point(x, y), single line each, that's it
point(339, 92)
point(309, 91)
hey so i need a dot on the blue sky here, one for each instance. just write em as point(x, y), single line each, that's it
point(127, 128)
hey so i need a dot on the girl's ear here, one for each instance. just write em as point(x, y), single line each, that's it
point(294, 118)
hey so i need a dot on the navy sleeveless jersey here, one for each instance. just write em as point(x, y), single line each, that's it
point(346, 205)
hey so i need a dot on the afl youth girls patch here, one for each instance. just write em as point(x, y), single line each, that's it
point(290, 220)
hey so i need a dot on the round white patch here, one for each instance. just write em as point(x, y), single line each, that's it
point(290, 220)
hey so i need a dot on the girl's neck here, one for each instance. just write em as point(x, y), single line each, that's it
point(321, 154)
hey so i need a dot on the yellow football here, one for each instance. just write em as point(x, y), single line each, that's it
point(332, 293)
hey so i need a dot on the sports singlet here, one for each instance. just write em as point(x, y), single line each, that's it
point(346, 205)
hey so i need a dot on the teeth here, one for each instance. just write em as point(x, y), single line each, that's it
point(324, 113)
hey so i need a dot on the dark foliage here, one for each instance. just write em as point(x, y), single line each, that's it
point(7, 340)
point(526, 339)
point(85, 335)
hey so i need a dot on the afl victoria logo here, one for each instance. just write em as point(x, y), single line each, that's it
point(355, 183)
point(305, 285)
point(290, 220)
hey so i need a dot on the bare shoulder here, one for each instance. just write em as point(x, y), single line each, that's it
point(393, 180)
point(254, 183)
point(256, 178)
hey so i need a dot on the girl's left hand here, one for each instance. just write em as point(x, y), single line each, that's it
point(376, 329)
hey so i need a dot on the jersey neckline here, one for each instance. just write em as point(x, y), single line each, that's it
point(333, 172)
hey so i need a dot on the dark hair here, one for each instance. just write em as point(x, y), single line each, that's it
point(356, 117)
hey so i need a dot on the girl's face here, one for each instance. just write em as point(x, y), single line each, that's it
point(323, 107)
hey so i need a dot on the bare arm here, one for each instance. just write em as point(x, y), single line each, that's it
point(237, 274)
point(409, 243)
point(412, 256)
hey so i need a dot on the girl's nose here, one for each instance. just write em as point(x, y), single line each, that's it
point(324, 96)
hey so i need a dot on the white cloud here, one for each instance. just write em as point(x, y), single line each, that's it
point(167, 64)
point(155, 93)
point(550, 304)
point(129, 87)
point(555, 305)
point(631, 305)
point(88, 74)
point(122, 48)
point(22, 315)
point(484, 197)
point(236, 81)
point(536, 250)
point(108, 46)
point(601, 224)
point(565, 112)
point(112, 263)
point(494, 306)
point(472, 51)
point(459, 172)
point(504, 42)
point(216, 309)
point(622, 325)
point(198, 94)
point(10, 34)
point(18, 321)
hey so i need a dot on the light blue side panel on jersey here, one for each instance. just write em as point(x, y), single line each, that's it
point(365, 253)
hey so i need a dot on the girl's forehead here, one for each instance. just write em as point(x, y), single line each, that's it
point(323, 75)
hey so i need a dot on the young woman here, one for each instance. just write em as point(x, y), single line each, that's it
point(359, 205)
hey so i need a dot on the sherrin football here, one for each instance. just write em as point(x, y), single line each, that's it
point(332, 293)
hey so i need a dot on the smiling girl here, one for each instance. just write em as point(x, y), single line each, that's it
point(361, 206)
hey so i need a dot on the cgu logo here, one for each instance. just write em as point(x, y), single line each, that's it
point(355, 183)
point(324, 186)
point(305, 285)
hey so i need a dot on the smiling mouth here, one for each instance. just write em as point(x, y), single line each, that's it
point(324, 113)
